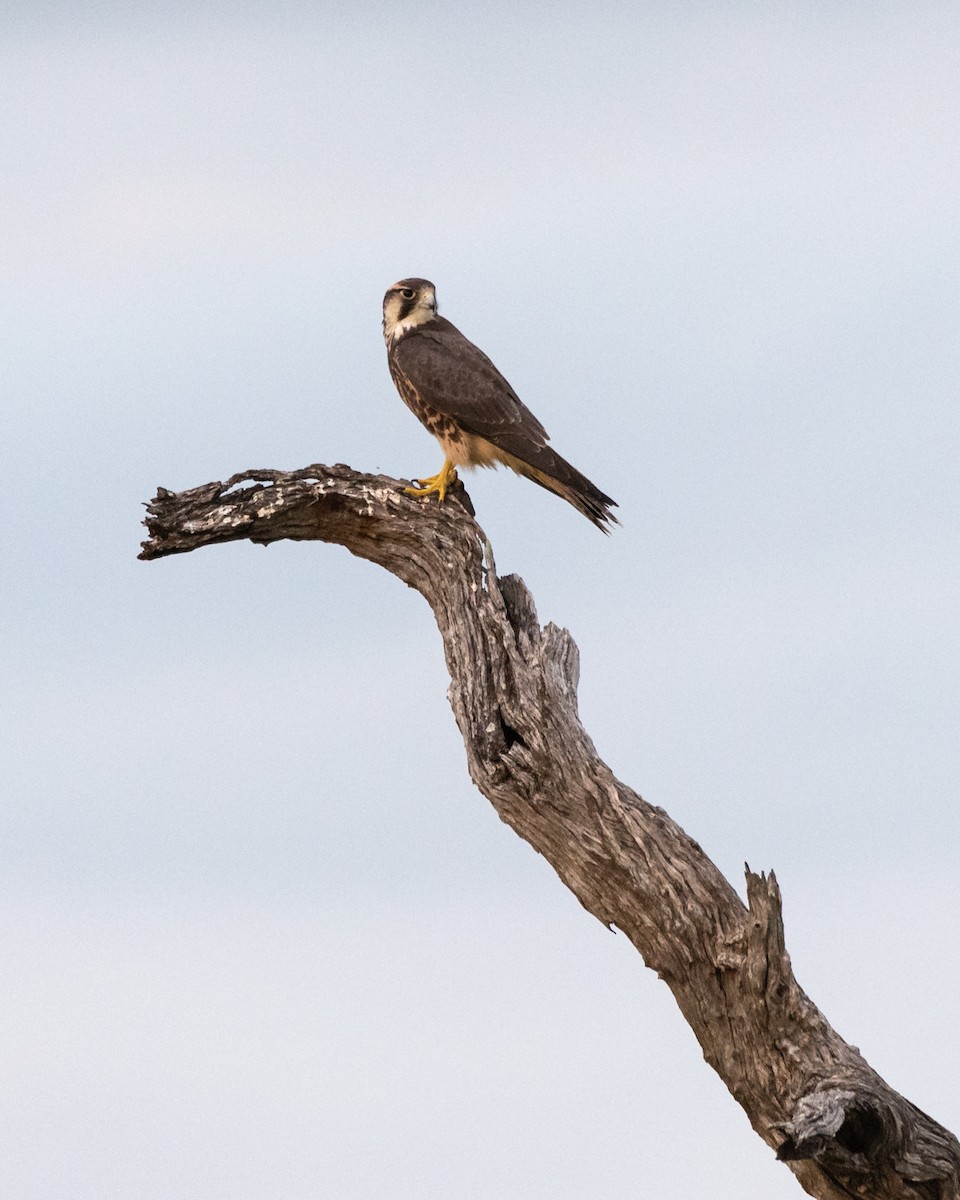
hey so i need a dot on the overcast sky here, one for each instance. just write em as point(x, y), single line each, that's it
point(262, 938)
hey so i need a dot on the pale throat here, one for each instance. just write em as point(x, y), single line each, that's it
point(394, 326)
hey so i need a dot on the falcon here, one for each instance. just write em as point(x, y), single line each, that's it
point(468, 406)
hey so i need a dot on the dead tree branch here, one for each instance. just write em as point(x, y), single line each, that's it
point(808, 1094)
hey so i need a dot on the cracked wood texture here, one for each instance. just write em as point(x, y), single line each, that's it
point(811, 1097)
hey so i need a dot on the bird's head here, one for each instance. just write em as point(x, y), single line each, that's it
point(408, 303)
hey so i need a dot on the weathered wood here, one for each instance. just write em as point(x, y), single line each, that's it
point(809, 1095)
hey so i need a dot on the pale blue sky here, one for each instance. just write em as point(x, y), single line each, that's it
point(262, 937)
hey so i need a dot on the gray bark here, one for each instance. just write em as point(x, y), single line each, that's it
point(810, 1096)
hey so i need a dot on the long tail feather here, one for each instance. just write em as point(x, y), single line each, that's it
point(557, 475)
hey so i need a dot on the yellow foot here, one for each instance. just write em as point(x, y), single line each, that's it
point(437, 485)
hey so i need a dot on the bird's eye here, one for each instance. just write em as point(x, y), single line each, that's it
point(407, 293)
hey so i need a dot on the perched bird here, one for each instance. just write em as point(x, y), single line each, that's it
point(468, 406)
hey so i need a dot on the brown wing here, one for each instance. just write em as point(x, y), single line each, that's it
point(457, 379)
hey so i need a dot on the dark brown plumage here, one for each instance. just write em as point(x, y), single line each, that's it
point(464, 401)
